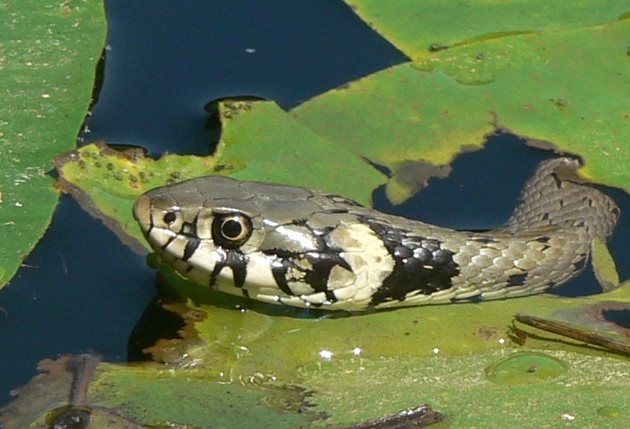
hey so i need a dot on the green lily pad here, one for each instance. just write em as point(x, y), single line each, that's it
point(48, 55)
point(356, 389)
point(566, 87)
point(604, 265)
point(150, 395)
point(190, 399)
point(265, 143)
point(107, 182)
point(417, 28)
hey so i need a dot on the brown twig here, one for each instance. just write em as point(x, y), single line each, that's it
point(575, 333)
point(410, 418)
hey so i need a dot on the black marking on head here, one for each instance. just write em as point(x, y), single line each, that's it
point(517, 279)
point(189, 229)
point(150, 225)
point(233, 259)
point(191, 246)
point(322, 261)
point(169, 241)
point(543, 239)
point(317, 277)
point(322, 264)
point(238, 263)
point(279, 270)
point(428, 269)
point(220, 264)
point(330, 296)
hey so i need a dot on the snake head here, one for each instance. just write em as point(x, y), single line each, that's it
point(221, 232)
point(273, 243)
point(201, 229)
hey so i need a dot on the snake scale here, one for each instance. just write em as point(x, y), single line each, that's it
point(306, 248)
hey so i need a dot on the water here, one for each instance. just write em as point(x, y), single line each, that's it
point(81, 290)
point(165, 62)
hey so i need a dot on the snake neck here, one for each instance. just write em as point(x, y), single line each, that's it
point(556, 196)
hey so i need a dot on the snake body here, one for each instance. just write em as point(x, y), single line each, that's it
point(304, 248)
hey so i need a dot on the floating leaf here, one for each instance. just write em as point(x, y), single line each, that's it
point(269, 145)
point(131, 397)
point(357, 389)
point(604, 265)
point(419, 28)
point(567, 88)
point(107, 182)
point(48, 54)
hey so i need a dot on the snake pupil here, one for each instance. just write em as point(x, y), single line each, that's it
point(170, 217)
point(231, 228)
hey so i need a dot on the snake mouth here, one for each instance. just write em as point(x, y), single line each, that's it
point(142, 212)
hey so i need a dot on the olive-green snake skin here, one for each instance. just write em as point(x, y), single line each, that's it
point(305, 248)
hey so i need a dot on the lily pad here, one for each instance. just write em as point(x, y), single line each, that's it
point(564, 87)
point(48, 55)
point(420, 28)
point(107, 181)
point(121, 396)
point(604, 266)
point(265, 143)
point(355, 389)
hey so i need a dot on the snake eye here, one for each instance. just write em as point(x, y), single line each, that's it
point(231, 230)
point(170, 217)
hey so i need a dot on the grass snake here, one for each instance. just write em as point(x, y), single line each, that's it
point(305, 248)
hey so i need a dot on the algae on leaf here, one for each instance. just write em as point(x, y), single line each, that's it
point(48, 55)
